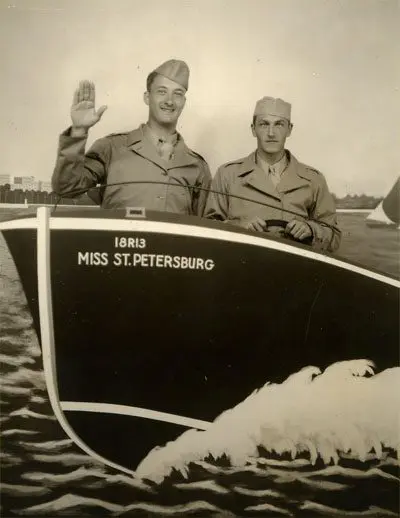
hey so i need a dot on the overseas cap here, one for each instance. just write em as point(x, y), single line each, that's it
point(272, 106)
point(175, 70)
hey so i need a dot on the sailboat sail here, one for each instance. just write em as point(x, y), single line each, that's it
point(388, 210)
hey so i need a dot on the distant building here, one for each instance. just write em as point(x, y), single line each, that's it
point(5, 178)
point(45, 186)
point(26, 183)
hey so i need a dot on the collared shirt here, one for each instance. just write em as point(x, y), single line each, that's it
point(165, 146)
point(274, 171)
point(243, 191)
point(132, 172)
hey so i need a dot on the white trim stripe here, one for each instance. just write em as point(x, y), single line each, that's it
point(15, 224)
point(132, 411)
point(47, 335)
point(208, 233)
point(121, 225)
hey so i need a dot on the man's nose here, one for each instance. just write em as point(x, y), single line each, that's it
point(271, 131)
point(168, 98)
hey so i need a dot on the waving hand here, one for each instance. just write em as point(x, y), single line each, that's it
point(83, 112)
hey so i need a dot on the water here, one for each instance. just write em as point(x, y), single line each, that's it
point(44, 474)
point(375, 248)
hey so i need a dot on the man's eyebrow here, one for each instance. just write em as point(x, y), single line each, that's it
point(278, 121)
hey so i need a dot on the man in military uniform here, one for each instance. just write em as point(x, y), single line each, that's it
point(154, 152)
point(276, 186)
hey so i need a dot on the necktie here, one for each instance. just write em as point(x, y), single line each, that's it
point(165, 149)
point(274, 175)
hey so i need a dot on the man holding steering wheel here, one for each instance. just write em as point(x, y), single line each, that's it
point(270, 189)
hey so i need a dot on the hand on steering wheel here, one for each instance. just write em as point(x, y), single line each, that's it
point(296, 230)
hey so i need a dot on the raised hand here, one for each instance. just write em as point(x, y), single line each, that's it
point(83, 112)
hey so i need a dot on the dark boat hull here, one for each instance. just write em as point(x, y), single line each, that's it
point(192, 319)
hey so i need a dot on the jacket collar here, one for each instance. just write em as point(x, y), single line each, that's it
point(252, 174)
point(294, 177)
point(142, 145)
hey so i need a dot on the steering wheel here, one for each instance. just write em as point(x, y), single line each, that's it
point(283, 224)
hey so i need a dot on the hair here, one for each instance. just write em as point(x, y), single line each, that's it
point(150, 79)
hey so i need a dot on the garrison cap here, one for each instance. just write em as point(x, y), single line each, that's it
point(273, 106)
point(176, 70)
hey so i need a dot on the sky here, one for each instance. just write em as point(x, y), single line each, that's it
point(335, 61)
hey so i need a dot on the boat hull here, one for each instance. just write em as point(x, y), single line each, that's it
point(151, 327)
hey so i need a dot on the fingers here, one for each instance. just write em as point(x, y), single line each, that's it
point(85, 92)
point(291, 225)
point(298, 229)
point(76, 97)
point(257, 224)
point(88, 91)
point(100, 111)
point(299, 233)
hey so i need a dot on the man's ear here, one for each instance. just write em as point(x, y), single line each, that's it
point(290, 129)
point(253, 130)
point(146, 98)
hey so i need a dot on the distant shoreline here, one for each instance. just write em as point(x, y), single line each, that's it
point(30, 205)
point(23, 198)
